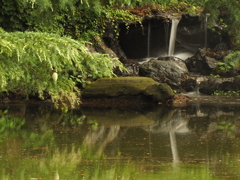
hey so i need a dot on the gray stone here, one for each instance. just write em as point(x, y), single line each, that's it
point(170, 72)
point(211, 84)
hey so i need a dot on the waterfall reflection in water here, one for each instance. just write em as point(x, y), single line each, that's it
point(38, 141)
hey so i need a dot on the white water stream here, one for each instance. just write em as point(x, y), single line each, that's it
point(173, 35)
point(206, 22)
point(170, 38)
point(149, 38)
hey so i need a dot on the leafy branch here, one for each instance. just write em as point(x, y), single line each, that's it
point(231, 61)
point(28, 60)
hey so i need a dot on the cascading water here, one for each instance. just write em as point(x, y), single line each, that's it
point(206, 20)
point(166, 27)
point(196, 89)
point(173, 35)
point(149, 38)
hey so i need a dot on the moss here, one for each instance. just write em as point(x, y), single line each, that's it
point(118, 86)
point(159, 92)
point(134, 86)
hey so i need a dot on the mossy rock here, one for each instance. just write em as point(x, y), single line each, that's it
point(128, 86)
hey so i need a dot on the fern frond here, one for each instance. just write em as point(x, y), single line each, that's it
point(28, 59)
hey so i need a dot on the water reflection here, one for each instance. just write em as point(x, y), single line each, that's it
point(195, 142)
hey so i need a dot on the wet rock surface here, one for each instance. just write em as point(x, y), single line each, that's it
point(204, 99)
point(170, 71)
point(200, 63)
point(211, 84)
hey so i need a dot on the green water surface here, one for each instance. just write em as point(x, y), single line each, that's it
point(192, 143)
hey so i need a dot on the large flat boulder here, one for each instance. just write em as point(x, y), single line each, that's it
point(128, 86)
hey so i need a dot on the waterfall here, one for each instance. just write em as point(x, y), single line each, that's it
point(198, 82)
point(196, 89)
point(166, 27)
point(149, 38)
point(206, 20)
point(173, 35)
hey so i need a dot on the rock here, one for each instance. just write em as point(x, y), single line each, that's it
point(153, 91)
point(201, 64)
point(178, 101)
point(208, 84)
point(101, 47)
point(211, 84)
point(111, 40)
point(220, 51)
point(170, 72)
point(132, 68)
point(189, 85)
point(236, 81)
point(128, 86)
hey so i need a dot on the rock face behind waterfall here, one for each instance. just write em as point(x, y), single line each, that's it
point(128, 88)
point(171, 72)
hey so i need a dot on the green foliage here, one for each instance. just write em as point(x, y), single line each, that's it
point(8, 123)
point(71, 17)
point(10, 126)
point(35, 140)
point(195, 2)
point(33, 58)
point(213, 75)
point(29, 59)
point(224, 12)
point(226, 93)
point(14, 15)
point(93, 124)
point(115, 16)
point(88, 23)
point(223, 67)
point(227, 127)
point(231, 61)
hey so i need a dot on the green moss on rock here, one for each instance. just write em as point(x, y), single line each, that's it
point(130, 86)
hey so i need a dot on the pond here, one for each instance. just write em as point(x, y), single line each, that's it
point(200, 141)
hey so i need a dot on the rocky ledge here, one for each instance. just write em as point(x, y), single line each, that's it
point(126, 90)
